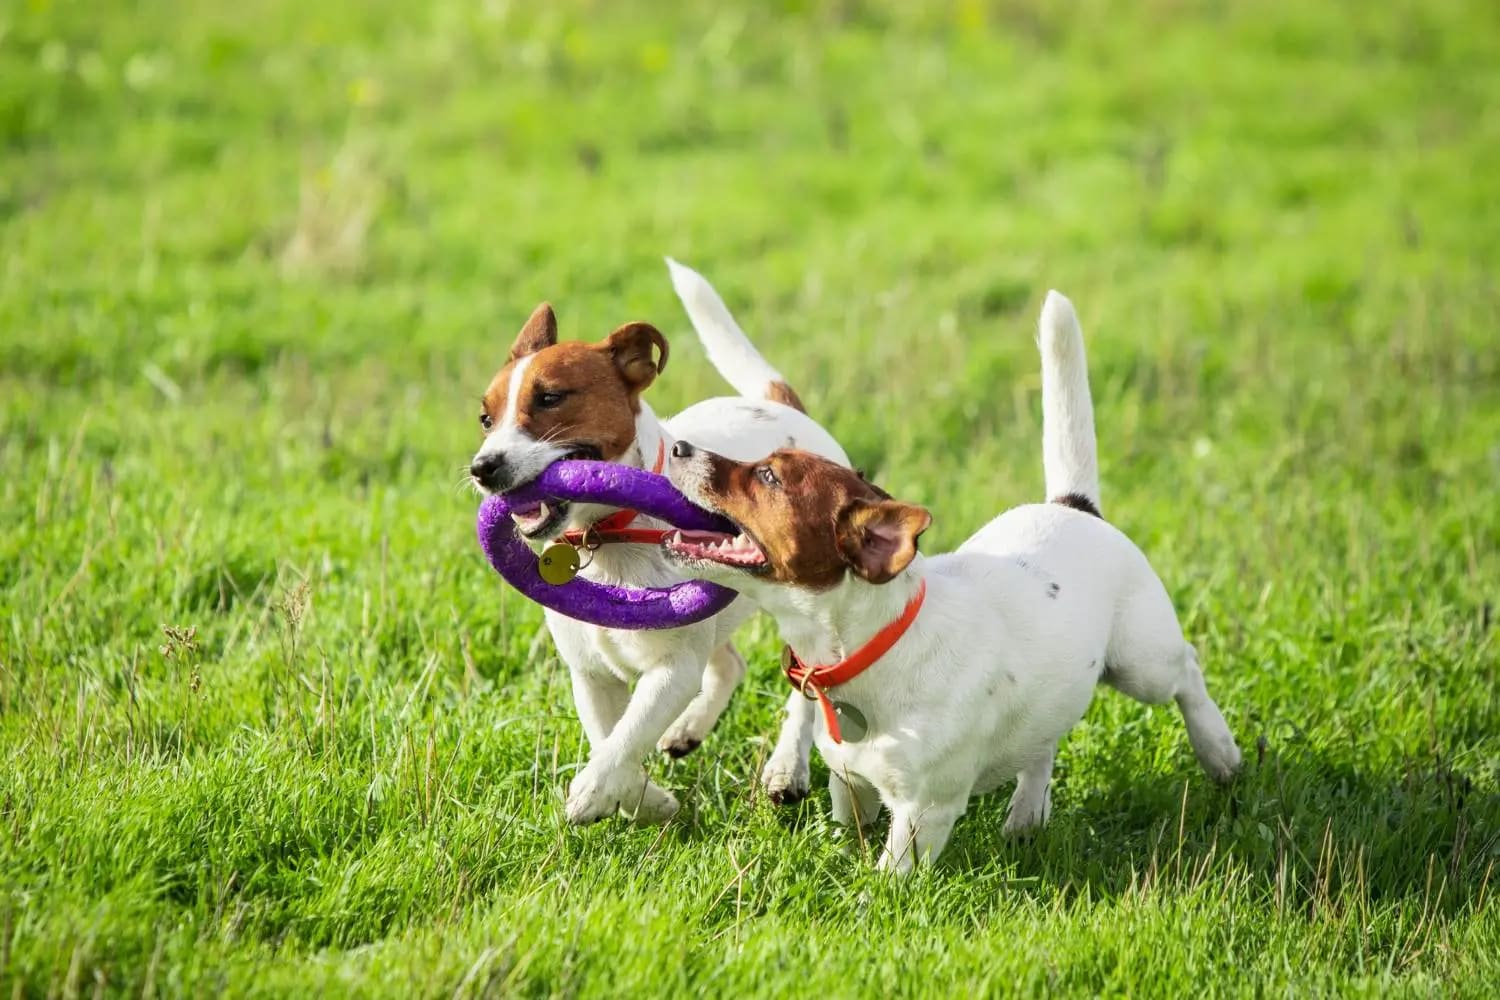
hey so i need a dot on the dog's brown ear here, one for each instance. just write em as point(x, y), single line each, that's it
point(634, 348)
point(878, 538)
point(539, 332)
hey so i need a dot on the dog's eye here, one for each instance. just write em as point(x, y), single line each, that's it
point(486, 421)
point(767, 476)
point(547, 400)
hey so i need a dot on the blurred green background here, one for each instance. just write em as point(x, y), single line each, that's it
point(259, 259)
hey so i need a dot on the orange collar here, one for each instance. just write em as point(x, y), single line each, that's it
point(616, 527)
point(821, 678)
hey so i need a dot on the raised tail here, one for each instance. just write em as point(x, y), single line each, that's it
point(1070, 456)
point(729, 350)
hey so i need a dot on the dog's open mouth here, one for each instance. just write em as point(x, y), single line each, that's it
point(539, 519)
point(740, 551)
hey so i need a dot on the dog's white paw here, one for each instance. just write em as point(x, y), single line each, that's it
point(657, 805)
point(596, 793)
point(1219, 756)
point(1029, 811)
point(786, 781)
point(1019, 823)
point(890, 864)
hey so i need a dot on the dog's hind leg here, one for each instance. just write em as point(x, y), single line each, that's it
point(1032, 802)
point(1150, 661)
point(722, 674)
point(1207, 730)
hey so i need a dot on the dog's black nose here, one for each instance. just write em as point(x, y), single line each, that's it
point(682, 450)
point(491, 472)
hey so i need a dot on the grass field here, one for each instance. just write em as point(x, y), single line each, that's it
point(258, 260)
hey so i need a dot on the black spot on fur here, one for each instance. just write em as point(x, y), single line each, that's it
point(1079, 502)
point(760, 413)
point(1053, 590)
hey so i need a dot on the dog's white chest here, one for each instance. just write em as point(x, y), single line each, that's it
point(627, 654)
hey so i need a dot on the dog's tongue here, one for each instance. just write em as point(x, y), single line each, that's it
point(531, 515)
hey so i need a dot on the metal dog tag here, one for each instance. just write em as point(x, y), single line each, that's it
point(558, 563)
point(852, 724)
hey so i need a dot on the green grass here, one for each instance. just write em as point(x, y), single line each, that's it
point(258, 260)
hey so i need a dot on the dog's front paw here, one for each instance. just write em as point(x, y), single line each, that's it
point(656, 805)
point(898, 866)
point(786, 782)
point(596, 793)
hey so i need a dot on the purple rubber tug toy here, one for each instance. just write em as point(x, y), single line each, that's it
point(600, 604)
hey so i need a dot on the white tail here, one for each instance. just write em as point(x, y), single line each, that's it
point(1070, 456)
point(729, 350)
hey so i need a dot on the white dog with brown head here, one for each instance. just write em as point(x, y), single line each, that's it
point(941, 678)
point(553, 401)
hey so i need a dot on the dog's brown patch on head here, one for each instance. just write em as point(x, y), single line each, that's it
point(574, 394)
point(780, 392)
point(814, 519)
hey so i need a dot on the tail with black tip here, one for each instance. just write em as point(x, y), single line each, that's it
point(1070, 455)
point(729, 350)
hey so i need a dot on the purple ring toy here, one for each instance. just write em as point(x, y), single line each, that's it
point(600, 604)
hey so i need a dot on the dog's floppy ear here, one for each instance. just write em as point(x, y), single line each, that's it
point(634, 348)
point(540, 331)
point(878, 538)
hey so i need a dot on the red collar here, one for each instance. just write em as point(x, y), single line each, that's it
point(616, 527)
point(821, 678)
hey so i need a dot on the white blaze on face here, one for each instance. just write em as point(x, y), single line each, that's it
point(513, 392)
point(524, 455)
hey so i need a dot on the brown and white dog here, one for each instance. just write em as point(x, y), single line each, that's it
point(944, 677)
point(554, 400)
